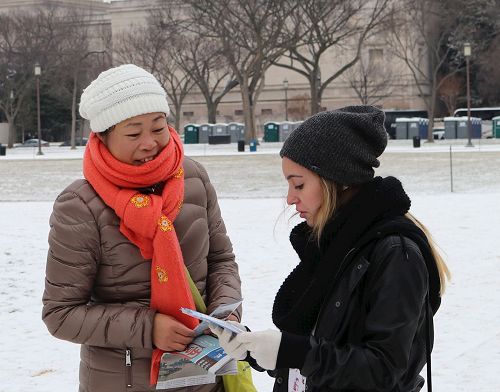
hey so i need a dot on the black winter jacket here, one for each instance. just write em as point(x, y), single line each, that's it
point(370, 331)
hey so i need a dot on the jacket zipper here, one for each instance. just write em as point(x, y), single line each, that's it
point(128, 365)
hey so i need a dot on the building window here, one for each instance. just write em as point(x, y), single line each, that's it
point(188, 114)
point(238, 112)
point(266, 112)
point(375, 57)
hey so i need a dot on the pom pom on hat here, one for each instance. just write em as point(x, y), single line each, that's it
point(121, 93)
point(341, 145)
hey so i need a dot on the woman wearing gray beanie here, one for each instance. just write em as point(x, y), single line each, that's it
point(125, 241)
point(356, 313)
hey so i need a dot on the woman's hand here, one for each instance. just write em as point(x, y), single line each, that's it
point(262, 345)
point(232, 317)
point(228, 342)
point(170, 334)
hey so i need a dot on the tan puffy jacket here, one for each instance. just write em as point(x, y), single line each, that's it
point(97, 285)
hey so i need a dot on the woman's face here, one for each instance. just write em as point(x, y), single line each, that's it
point(139, 139)
point(304, 190)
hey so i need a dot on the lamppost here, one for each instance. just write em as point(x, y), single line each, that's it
point(285, 86)
point(38, 73)
point(467, 53)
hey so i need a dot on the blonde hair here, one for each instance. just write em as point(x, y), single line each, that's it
point(444, 272)
point(335, 195)
point(328, 207)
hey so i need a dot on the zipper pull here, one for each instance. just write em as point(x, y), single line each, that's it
point(128, 365)
point(128, 359)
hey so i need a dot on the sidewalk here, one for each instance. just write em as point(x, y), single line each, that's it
point(197, 150)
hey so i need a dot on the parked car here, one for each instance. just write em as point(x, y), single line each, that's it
point(34, 143)
point(438, 133)
point(78, 141)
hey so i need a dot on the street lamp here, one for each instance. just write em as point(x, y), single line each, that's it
point(467, 53)
point(285, 86)
point(38, 73)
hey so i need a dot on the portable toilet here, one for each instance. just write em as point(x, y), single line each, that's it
point(219, 129)
point(402, 128)
point(204, 131)
point(285, 128)
point(463, 127)
point(450, 127)
point(495, 127)
point(191, 132)
point(219, 134)
point(271, 131)
point(237, 131)
point(418, 126)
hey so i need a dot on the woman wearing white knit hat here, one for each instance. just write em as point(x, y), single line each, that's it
point(121, 239)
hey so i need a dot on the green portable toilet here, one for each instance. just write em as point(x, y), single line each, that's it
point(271, 131)
point(495, 127)
point(191, 132)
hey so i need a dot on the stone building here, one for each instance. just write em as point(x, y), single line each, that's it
point(283, 88)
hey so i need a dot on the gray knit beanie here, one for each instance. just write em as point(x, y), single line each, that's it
point(121, 93)
point(341, 145)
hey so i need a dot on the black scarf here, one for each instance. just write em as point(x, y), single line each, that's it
point(301, 295)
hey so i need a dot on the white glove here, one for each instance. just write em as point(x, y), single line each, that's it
point(227, 341)
point(263, 346)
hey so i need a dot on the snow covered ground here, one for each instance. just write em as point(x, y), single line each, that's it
point(465, 223)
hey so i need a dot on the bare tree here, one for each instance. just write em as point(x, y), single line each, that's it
point(199, 57)
point(82, 52)
point(449, 91)
point(341, 24)
point(251, 35)
point(153, 48)
point(299, 106)
point(488, 75)
point(371, 79)
point(424, 36)
point(204, 64)
point(26, 37)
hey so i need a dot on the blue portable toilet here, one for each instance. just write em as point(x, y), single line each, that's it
point(463, 127)
point(408, 128)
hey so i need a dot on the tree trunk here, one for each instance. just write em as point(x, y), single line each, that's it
point(431, 109)
point(12, 132)
point(212, 111)
point(177, 118)
point(73, 112)
point(248, 111)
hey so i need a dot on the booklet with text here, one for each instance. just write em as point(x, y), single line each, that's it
point(203, 358)
point(199, 363)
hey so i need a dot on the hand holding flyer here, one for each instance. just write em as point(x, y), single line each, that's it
point(211, 319)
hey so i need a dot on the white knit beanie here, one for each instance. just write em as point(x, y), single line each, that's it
point(121, 93)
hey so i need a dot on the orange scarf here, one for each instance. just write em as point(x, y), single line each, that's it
point(147, 220)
